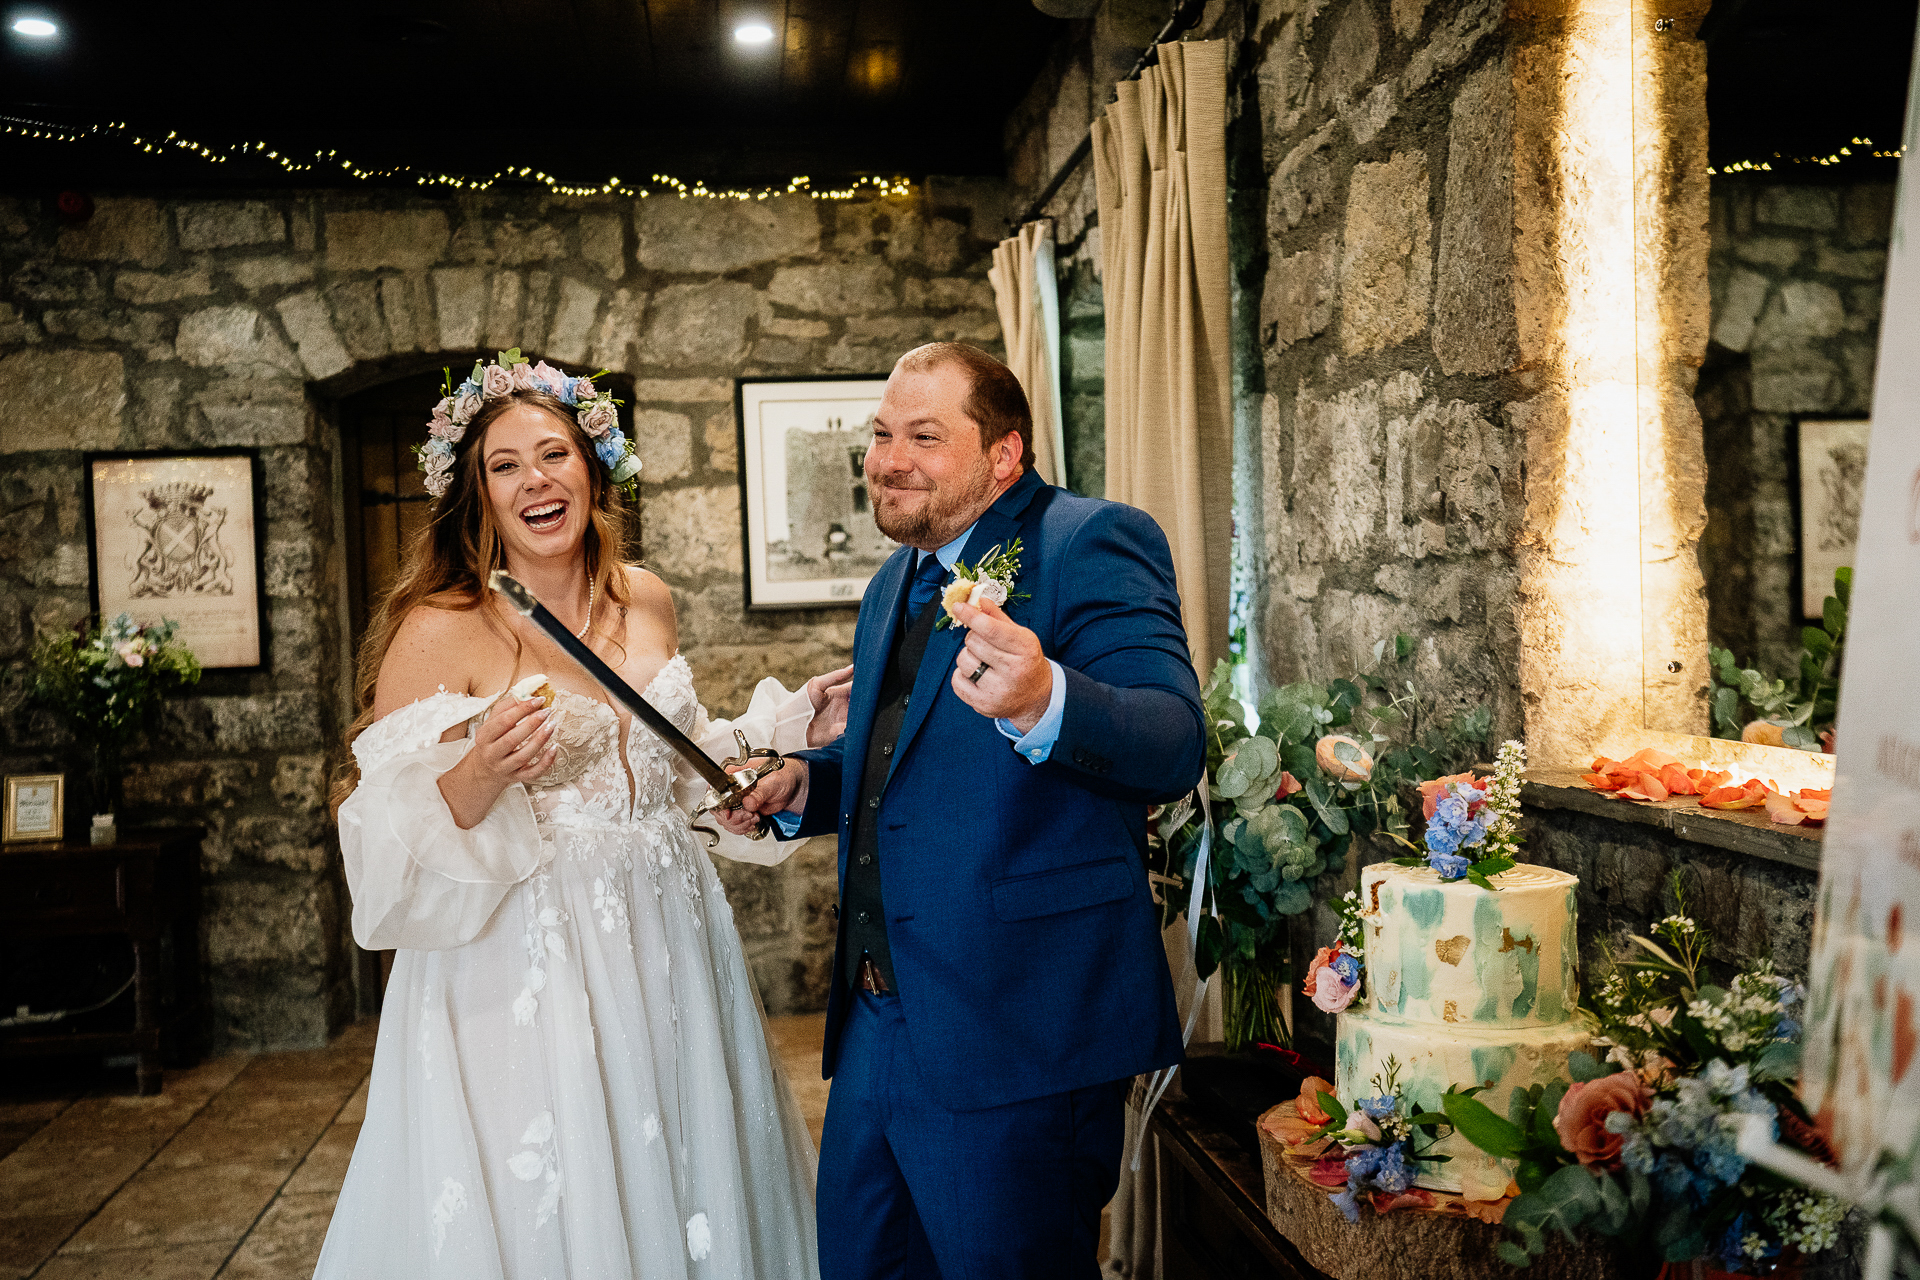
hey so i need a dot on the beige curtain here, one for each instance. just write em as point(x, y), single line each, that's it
point(1160, 165)
point(1028, 299)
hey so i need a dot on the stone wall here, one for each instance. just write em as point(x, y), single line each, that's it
point(1796, 273)
point(170, 322)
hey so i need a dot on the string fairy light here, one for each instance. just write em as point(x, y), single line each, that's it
point(289, 162)
point(1838, 156)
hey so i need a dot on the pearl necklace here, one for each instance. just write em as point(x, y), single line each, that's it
point(581, 634)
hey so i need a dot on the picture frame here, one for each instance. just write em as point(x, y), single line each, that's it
point(1832, 467)
point(806, 517)
point(180, 534)
point(35, 810)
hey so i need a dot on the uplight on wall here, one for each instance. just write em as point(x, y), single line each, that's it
point(753, 33)
point(35, 28)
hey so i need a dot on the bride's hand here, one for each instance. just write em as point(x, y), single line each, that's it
point(515, 744)
point(829, 694)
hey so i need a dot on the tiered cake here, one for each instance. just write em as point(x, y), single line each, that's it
point(1464, 987)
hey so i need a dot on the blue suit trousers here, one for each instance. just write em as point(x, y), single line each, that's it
point(910, 1189)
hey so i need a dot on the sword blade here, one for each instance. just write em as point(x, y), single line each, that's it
point(523, 600)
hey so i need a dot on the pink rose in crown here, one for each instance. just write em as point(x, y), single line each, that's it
point(522, 377)
point(443, 412)
point(465, 405)
point(556, 381)
point(583, 390)
point(495, 382)
point(599, 420)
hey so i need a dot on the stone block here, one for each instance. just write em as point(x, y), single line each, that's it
point(1286, 85)
point(257, 274)
point(771, 353)
point(299, 782)
point(41, 281)
point(573, 319)
point(1857, 264)
point(1777, 252)
point(507, 241)
point(225, 223)
point(144, 288)
point(701, 324)
point(311, 329)
point(460, 297)
point(407, 312)
point(834, 289)
point(273, 920)
point(1407, 15)
point(357, 320)
point(1474, 325)
point(289, 567)
point(1791, 381)
point(1302, 185)
point(372, 239)
point(1798, 314)
point(1471, 22)
point(1366, 116)
point(1738, 309)
point(503, 311)
point(603, 242)
point(15, 329)
point(716, 236)
point(1337, 454)
point(682, 390)
point(1297, 304)
point(248, 411)
point(938, 244)
point(149, 332)
point(615, 344)
point(869, 358)
point(946, 293)
point(1869, 213)
point(120, 230)
point(757, 896)
point(691, 531)
point(1351, 55)
point(61, 400)
point(664, 443)
point(1386, 271)
point(157, 407)
point(238, 338)
point(1812, 208)
point(722, 437)
point(291, 492)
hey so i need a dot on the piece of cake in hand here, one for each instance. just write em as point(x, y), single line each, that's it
point(534, 686)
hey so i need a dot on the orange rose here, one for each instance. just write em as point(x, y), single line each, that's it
point(1321, 959)
point(1430, 792)
point(1582, 1119)
point(1308, 1103)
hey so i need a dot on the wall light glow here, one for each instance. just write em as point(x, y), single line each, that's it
point(753, 33)
point(37, 28)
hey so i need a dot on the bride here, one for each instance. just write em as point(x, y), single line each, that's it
point(573, 1077)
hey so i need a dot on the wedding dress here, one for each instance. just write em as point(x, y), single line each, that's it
point(573, 1078)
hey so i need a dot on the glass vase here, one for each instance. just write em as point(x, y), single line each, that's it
point(1250, 1000)
point(103, 777)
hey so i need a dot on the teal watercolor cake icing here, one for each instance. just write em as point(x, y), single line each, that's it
point(1464, 987)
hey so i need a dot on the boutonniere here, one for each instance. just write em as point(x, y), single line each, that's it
point(990, 579)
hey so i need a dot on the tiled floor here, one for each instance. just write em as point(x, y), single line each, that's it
point(231, 1171)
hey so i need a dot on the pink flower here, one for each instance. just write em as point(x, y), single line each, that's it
point(522, 377)
point(465, 406)
point(443, 412)
point(131, 652)
point(1288, 785)
point(583, 390)
point(556, 381)
point(1331, 992)
point(1363, 1123)
point(495, 382)
point(1582, 1119)
point(599, 419)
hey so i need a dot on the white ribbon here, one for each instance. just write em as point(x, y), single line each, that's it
point(1157, 1082)
point(1864, 1190)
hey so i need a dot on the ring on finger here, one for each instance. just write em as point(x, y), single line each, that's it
point(978, 671)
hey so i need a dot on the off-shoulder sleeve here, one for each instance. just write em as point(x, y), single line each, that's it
point(418, 880)
point(774, 718)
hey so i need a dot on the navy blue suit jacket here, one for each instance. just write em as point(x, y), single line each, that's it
point(1023, 936)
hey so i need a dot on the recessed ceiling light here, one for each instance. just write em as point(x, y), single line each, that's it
point(753, 33)
point(38, 28)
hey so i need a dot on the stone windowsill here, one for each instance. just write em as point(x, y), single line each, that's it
point(1743, 831)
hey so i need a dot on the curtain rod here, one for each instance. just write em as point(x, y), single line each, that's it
point(1186, 14)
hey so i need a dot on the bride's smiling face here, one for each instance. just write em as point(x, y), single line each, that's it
point(537, 483)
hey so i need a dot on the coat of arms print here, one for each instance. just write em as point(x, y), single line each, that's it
point(183, 553)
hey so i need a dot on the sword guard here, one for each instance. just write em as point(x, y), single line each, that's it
point(746, 774)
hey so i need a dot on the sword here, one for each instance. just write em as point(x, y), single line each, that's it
point(725, 791)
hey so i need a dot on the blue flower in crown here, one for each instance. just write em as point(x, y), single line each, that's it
point(596, 411)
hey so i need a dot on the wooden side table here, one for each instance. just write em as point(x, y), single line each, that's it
point(140, 889)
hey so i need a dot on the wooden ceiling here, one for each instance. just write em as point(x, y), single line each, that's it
point(583, 88)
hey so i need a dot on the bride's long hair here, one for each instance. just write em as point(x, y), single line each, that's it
point(448, 563)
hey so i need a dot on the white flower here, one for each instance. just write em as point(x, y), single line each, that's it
point(699, 1237)
point(988, 590)
point(527, 1165)
point(452, 1202)
point(524, 1007)
point(650, 1127)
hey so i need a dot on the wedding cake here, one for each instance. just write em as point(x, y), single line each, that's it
point(1464, 987)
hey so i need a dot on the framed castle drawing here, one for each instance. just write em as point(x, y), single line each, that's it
point(805, 514)
point(1833, 472)
point(178, 535)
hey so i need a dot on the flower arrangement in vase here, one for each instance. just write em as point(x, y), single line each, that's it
point(110, 682)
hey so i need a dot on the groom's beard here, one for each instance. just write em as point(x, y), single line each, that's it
point(942, 517)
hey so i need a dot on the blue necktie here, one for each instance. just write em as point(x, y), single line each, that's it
point(926, 585)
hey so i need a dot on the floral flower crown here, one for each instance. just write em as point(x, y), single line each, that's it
point(511, 372)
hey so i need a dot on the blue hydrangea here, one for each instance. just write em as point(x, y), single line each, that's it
point(1442, 839)
point(1348, 967)
point(468, 387)
point(1348, 1202)
point(1379, 1108)
point(1451, 866)
point(435, 447)
point(611, 447)
point(1452, 811)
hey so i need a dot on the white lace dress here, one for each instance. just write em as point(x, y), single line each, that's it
point(573, 1078)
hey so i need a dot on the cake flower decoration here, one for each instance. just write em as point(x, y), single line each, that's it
point(990, 579)
point(1473, 827)
point(596, 411)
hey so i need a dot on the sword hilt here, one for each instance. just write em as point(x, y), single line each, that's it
point(746, 775)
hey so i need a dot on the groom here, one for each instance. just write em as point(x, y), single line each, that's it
point(1000, 978)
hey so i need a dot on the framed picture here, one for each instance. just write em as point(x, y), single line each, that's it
point(1833, 469)
point(178, 535)
point(35, 807)
point(804, 509)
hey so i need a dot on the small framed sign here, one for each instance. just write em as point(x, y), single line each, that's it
point(35, 807)
point(806, 515)
point(1833, 473)
point(180, 535)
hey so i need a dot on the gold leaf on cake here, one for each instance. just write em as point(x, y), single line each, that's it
point(1451, 949)
point(1451, 1013)
point(1509, 943)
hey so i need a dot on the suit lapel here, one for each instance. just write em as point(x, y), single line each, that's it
point(869, 667)
point(997, 527)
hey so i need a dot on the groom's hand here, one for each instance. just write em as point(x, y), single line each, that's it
point(783, 789)
point(1018, 682)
